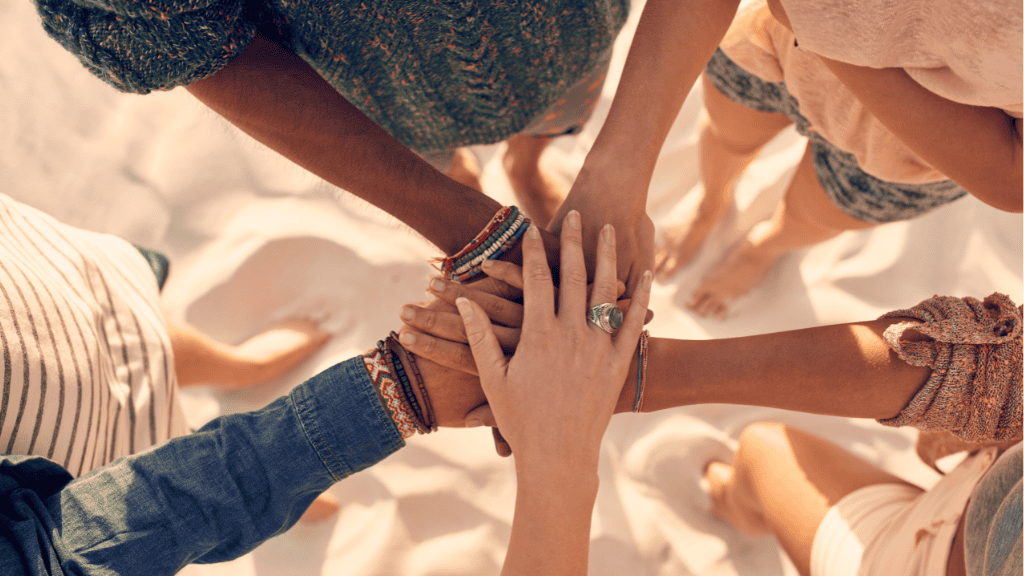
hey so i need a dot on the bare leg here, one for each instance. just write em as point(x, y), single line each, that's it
point(465, 170)
point(784, 480)
point(198, 359)
point(804, 218)
point(729, 140)
point(538, 194)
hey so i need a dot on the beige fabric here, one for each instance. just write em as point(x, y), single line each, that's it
point(895, 528)
point(978, 63)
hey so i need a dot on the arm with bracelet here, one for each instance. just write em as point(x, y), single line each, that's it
point(217, 493)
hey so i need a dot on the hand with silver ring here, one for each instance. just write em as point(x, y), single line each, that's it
point(606, 316)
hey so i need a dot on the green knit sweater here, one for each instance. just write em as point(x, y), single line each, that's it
point(436, 74)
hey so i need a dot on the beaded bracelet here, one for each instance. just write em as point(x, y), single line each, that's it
point(387, 391)
point(413, 373)
point(498, 237)
point(403, 384)
point(641, 371)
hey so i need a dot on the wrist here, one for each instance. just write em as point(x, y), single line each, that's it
point(619, 190)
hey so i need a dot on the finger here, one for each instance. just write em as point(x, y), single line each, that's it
point(444, 352)
point(501, 446)
point(620, 288)
point(624, 306)
point(481, 416)
point(449, 326)
point(633, 323)
point(572, 289)
point(604, 272)
point(490, 361)
point(538, 292)
point(498, 309)
point(509, 273)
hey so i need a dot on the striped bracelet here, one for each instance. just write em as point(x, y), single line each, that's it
point(386, 384)
point(641, 371)
point(504, 230)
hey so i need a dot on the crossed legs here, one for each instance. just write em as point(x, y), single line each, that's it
point(784, 480)
point(729, 141)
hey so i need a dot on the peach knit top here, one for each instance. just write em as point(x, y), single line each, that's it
point(967, 52)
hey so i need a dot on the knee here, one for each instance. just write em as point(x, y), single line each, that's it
point(758, 442)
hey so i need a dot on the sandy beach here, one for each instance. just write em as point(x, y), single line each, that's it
point(254, 239)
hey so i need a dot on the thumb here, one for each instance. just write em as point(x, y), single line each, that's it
point(480, 416)
point(490, 360)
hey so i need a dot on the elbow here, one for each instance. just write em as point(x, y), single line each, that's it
point(1006, 193)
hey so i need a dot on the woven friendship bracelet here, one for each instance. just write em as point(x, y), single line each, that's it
point(385, 386)
point(499, 236)
point(494, 249)
point(403, 384)
point(641, 371)
point(508, 218)
point(409, 360)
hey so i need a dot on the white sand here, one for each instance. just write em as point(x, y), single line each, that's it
point(254, 239)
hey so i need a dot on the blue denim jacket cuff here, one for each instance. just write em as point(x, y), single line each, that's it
point(343, 419)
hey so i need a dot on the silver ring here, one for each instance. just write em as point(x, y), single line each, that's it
point(606, 316)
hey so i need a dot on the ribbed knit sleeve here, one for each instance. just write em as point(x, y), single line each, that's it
point(145, 45)
point(974, 351)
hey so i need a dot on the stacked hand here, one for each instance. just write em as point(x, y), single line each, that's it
point(435, 331)
point(554, 398)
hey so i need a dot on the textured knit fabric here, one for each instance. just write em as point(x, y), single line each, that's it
point(436, 75)
point(974, 390)
point(206, 497)
point(88, 367)
point(967, 52)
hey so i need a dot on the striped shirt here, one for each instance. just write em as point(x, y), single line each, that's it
point(88, 368)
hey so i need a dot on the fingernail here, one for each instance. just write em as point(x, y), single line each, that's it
point(464, 308)
point(474, 423)
point(407, 338)
point(647, 280)
point(609, 234)
point(437, 285)
point(574, 219)
point(532, 232)
point(407, 313)
point(487, 265)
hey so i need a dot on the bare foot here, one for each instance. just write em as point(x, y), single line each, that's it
point(322, 508)
point(741, 270)
point(465, 170)
point(274, 351)
point(538, 194)
point(724, 505)
point(681, 242)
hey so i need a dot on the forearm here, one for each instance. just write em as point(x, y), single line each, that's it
point(673, 42)
point(551, 528)
point(977, 147)
point(841, 370)
point(216, 494)
point(278, 99)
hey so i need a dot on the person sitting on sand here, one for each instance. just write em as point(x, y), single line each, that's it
point(92, 367)
point(905, 110)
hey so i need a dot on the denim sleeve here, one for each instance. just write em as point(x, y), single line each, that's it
point(207, 497)
point(139, 46)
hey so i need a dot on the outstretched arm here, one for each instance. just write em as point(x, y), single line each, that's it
point(841, 370)
point(674, 41)
point(277, 98)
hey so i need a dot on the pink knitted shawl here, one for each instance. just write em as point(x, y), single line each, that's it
point(975, 354)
